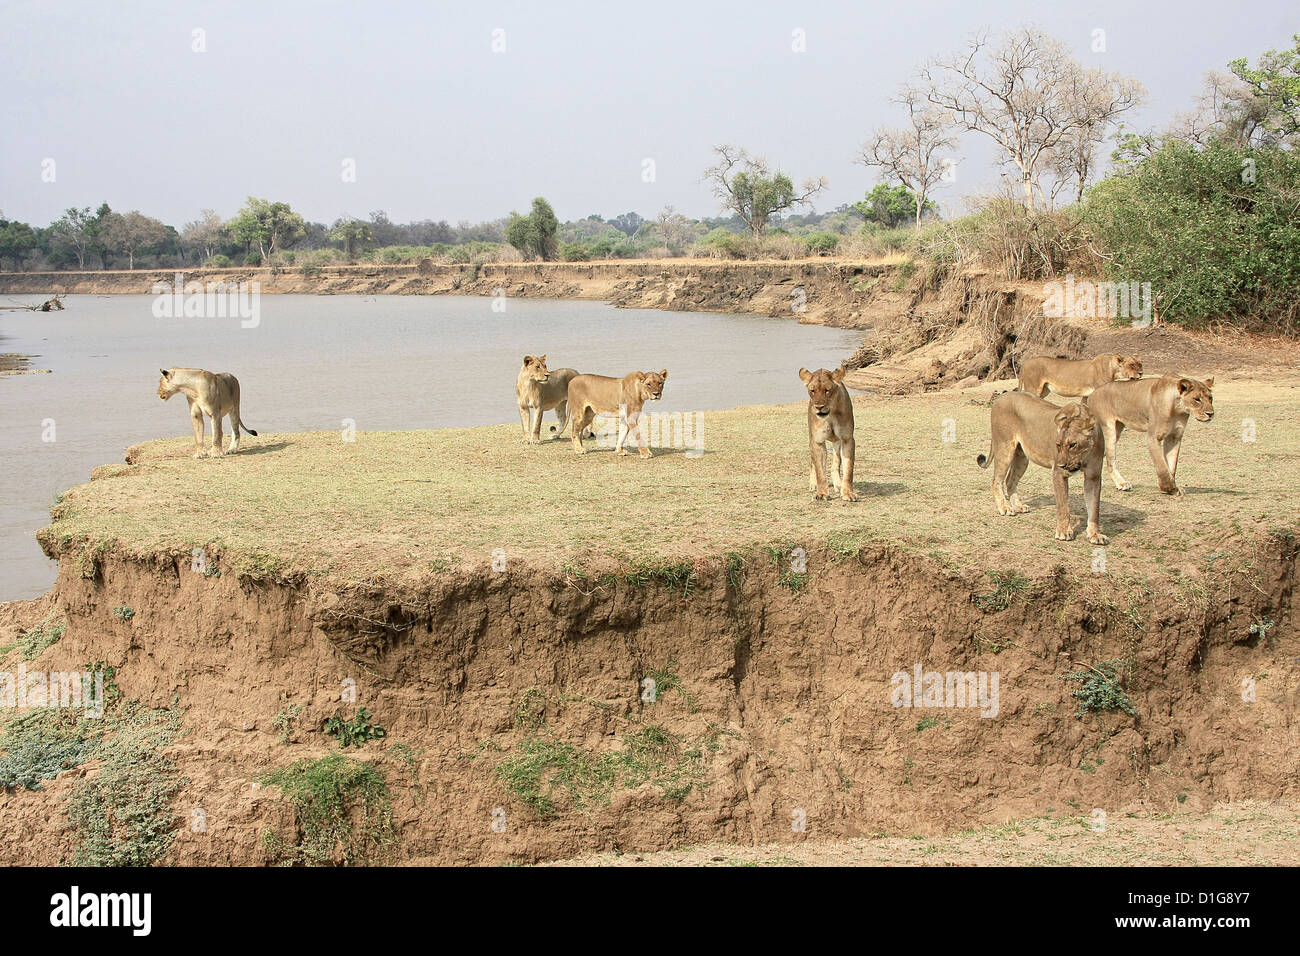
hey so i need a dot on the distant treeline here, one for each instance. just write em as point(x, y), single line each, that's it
point(1206, 210)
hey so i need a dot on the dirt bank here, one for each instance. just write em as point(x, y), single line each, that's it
point(817, 291)
point(520, 698)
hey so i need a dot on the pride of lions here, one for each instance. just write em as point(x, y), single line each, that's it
point(1081, 436)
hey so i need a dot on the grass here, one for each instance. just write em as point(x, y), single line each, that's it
point(43, 635)
point(541, 768)
point(398, 504)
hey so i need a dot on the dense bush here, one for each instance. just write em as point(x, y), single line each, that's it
point(1214, 231)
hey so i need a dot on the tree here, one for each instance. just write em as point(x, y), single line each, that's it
point(205, 234)
point(271, 226)
point(1276, 81)
point(891, 206)
point(73, 231)
point(352, 233)
point(16, 238)
point(1027, 94)
point(534, 235)
point(130, 233)
point(674, 229)
point(910, 153)
point(629, 224)
point(748, 187)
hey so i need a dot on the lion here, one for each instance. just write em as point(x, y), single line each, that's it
point(626, 396)
point(215, 395)
point(1076, 378)
point(830, 429)
point(538, 391)
point(1158, 406)
point(1066, 440)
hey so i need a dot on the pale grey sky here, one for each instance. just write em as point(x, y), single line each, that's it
point(441, 127)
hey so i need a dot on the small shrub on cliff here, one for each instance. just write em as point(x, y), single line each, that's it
point(1005, 587)
point(40, 744)
point(122, 816)
point(356, 731)
point(43, 635)
point(342, 814)
point(1101, 688)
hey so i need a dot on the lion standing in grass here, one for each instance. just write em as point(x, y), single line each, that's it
point(538, 391)
point(1066, 440)
point(215, 395)
point(830, 429)
point(624, 397)
point(1160, 407)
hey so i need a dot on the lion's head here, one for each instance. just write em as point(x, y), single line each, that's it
point(650, 388)
point(535, 366)
point(1076, 436)
point(823, 385)
point(165, 387)
point(1126, 368)
point(1195, 398)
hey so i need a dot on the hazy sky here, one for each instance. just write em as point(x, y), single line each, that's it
point(441, 127)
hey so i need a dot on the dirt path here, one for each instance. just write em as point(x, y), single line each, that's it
point(1240, 834)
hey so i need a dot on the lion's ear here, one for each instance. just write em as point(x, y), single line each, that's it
point(837, 376)
point(166, 373)
point(664, 374)
point(1062, 417)
point(640, 376)
point(1119, 359)
point(1184, 384)
point(1209, 383)
point(528, 360)
point(805, 376)
point(541, 359)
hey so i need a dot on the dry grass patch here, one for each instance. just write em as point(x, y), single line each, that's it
point(419, 502)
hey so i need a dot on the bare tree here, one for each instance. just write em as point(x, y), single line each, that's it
point(910, 153)
point(674, 229)
point(1227, 110)
point(205, 233)
point(748, 187)
point(1027, 94)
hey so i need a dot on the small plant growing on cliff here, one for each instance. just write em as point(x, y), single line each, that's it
point(1101, 688)
point(658, 682)
point(735, 567)
point(283, 721)
point(1261, 627)
point(1006, 586)
point(342, 814)
point(123, 613)
point(43, 635)
point(355, 731)
point(122, 816)
point(41, 743)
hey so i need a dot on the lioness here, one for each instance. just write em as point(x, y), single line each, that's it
point(1076, 378)
point(538, 391)
point(830, 428)
point(1158, 406)
point(589, 394)
point(1066, 440)
point(214, 395)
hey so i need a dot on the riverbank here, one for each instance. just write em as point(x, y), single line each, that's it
point(498, 609)
point(816, 291)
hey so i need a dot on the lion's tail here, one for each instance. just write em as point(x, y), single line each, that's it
point(247, 430)
point(982, 460)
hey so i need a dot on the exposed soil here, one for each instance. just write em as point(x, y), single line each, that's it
point(774, 702)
